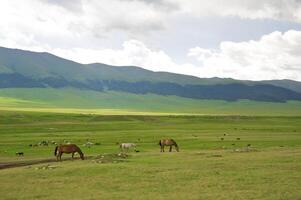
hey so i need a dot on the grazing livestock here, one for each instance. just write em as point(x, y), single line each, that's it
point(43, 143)
point(19, 153)
point(67, 148)
point(168, 142)
point(88, 144)
point(127, 146)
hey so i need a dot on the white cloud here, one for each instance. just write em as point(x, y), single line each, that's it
point(132, 53)
point(289, 10)
point(275, 56)
point(61, 23)
point(119, 32)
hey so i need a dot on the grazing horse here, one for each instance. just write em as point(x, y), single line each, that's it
point(19, 153)
point(67, 148)
point(168, 142)
point(127, 146)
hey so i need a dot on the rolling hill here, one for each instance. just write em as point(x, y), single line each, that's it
point(50, 76)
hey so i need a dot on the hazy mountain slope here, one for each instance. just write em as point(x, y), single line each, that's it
point(288, 84)
point(25, 69)
point(45, 65)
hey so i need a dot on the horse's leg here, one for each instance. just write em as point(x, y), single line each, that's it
point(72, 155)
point(170, 148)
point(60, 155)
point(163, 148)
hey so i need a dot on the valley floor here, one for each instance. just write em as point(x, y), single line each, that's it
point(221, 157)
point(70, 100)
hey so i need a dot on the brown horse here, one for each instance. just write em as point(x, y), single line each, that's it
point(168, 142)
point(67, 148)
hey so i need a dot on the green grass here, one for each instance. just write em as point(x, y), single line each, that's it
point(84, 101)
point(205, 168)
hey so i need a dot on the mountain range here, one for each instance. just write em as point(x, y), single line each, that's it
point(26, 69)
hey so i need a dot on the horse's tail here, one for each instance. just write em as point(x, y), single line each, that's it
point(55, 150)
point(159, 142)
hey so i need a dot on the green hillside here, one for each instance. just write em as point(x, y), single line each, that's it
point(73, 100)
point(44, 65)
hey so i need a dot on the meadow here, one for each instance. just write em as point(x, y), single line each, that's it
point(70, 100)
point(221, 157)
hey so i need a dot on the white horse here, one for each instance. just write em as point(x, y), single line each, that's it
point(127, 146)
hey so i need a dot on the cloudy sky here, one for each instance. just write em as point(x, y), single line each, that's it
point(241, 39)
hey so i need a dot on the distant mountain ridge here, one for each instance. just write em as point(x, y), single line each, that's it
point(26, 69)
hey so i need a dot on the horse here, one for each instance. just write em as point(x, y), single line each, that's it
point(127, 146)
point(67, 148)
point(168, 142)
point(19, 153)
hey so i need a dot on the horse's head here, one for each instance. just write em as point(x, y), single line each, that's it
point(177, 147)
point(82, 156)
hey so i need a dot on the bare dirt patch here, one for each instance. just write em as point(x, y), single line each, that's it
point(7, 165)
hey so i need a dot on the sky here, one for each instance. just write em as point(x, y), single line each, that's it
point(241, 39)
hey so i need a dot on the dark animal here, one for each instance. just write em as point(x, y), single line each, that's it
point(168, 142)
point(222, 138)
point(67, 148)
point(238, 138)
point(19, 153)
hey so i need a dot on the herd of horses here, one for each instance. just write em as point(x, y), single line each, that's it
point(72, 148)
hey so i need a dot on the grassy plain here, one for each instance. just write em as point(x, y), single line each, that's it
point(205, 168)
point(84, 101)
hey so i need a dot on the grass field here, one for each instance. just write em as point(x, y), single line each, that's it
point(84, 101)
point(205, 168)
